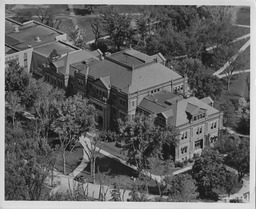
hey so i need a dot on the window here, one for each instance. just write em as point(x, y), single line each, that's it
point(133, 116)
point(122, 102)
point(184, 135)
point(98, 107)
point(184, 150)
point(213, 124)
point(133, 103)
point(199, 144)
point(90, 85)
point(195, 117)
point(80, 82)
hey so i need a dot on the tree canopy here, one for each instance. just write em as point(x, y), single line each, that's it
point(144, 140)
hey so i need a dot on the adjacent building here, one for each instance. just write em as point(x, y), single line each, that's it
point(197, 120)
point(21, 39)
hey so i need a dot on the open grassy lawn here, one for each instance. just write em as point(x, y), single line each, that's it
point(243, 16)
point(238, 87)
point(73, 159)
point(240, 31)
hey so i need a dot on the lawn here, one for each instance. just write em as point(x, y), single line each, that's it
point(73, 159)
point(240, 31)
point(243, 16)
point(238, 87)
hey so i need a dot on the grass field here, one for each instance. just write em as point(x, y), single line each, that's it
point(243, 16)
point(238, 87)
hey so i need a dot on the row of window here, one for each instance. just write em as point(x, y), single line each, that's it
point(213, 139)
point(101, 93)
point(53, 81)
point(155, 90)
point(198, 145)
point(200, 116)
point(178, 88)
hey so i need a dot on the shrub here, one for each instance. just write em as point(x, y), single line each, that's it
point(179, 164)
point(190, 160)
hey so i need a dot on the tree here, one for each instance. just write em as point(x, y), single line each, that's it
point(144, 140)
point(16, 80)
point(27, 164)
point(209, 85)
point(229, 117)
point(13, 106)
point(237, 154)
point(232, 60)
point(117, 26)
point(74, 118)
point(46, 16)
point(181, 188)
point(96, 29)
point(23, 16)
point(77, 37)
point(209, 173)
point(92, 146)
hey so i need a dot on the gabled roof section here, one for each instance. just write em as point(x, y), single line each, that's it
point(207, 100)
point(159, 57)
point(191, 108)
point(106, 82)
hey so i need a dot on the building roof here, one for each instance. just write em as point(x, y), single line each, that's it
point(207, 100)
point(176, 111)
point(132, 71)
point(61, 48)
point(29, 34)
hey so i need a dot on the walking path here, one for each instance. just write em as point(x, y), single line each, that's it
point(218, 72)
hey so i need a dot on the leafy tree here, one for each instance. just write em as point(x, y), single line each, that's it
point(167, 41)
point(23, 16)
point(237, 154)
point(28, 161)
point(229, 117)
point(77, 37)
point(144, 140)
point(181, 188)
point(74, 118)
point(117, 26)
point(13, 106)
point(209, 173)
point(16, 80)
point(230, 183)
point(209, 85)
point(92, 147)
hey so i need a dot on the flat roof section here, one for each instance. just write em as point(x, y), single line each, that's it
point(59, 46)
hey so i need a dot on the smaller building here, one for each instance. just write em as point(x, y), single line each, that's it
point(197, 121)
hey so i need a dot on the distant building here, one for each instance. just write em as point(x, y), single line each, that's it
point(22, 39)
point(197, 121)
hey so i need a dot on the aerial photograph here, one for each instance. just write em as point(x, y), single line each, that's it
point(127, 103)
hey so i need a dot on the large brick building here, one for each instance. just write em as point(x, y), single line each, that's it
point(197, 121)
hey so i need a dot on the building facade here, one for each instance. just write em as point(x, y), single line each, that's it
point(197, 121)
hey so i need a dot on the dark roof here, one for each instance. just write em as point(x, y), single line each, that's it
point(61, 48)
point(176, 111)
point(27, 34)
point(135, 74)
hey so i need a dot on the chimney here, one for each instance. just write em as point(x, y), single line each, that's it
point(16, 29)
